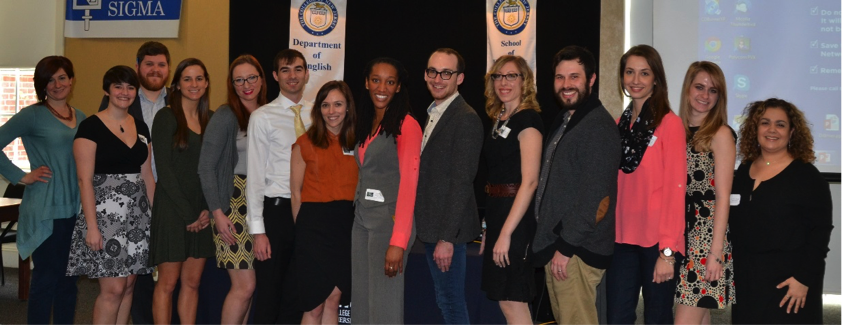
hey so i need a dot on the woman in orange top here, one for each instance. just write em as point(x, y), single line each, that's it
point(322, 183)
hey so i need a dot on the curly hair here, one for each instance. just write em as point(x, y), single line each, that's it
point(493, 105)
point(800, 145)
point(718, 115)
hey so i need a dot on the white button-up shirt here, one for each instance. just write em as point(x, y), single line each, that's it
point(434, 113)
point(149, 109)
point(271, 134)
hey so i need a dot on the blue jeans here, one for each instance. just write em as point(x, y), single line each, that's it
point(631, 269)
point(51, 292)
point(450, 285)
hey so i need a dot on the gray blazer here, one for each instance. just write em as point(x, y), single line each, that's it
point(445, 206)
point(218, 158)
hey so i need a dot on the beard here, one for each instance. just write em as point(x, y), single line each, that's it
point(580, 98)
point(149, 85)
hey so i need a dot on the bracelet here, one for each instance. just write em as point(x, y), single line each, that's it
point(671, 261)
point(715, 258)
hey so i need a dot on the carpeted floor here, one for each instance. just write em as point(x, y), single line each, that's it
point(13, 311)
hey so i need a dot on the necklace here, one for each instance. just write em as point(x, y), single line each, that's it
point(53, 110)
point(495, 131)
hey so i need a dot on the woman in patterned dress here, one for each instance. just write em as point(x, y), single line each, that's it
point(706, 275)
point(111, 238)
point(222, 170)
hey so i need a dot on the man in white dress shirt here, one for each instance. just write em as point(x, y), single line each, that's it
point(273, 128)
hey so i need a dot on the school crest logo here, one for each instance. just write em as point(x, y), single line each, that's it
point(511, 16)
point(318, 17)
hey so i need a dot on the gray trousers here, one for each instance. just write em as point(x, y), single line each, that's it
point(376, 298)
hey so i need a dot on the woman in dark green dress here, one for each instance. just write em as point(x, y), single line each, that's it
point(180, 238)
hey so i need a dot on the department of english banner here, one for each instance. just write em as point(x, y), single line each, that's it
point(317, 30)
point(122, 19)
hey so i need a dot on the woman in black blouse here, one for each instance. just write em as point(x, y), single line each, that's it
point(781, 219)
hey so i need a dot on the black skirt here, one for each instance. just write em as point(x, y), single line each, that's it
point(323, 251)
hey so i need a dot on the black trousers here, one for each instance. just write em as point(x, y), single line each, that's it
point(275, 296)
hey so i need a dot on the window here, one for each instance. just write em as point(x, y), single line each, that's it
point(17, 91)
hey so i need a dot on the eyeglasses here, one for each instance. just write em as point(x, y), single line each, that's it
point(241, 81)
point(445, 75)
point(509, 77)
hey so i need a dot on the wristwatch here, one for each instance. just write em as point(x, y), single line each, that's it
point(667, 252)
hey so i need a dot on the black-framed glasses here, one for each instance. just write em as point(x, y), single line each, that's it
point(241, 81)
point(509, 76)
point(445, 75)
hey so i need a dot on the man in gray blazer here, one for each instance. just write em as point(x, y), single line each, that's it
point(446, 216)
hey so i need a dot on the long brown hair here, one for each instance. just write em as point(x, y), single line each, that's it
point(528, 100)
point(800, 145)
point(718, 115)
point(234, 101)
point(317, 132)
point(182, 131)
point(659, 102)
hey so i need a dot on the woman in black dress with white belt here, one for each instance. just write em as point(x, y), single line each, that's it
point(781, 219)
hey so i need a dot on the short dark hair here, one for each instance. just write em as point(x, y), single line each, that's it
point(119, 74)
point(460, 62)
point(152, 48)
point(287, 55)
point(578, 53)
point(45, 69)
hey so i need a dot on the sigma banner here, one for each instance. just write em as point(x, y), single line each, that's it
point(317, 30)
point(511, 29)
point(122, 18)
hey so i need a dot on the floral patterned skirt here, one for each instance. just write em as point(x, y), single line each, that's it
point(123, 215)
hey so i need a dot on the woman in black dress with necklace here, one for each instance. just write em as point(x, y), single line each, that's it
point(781, 219)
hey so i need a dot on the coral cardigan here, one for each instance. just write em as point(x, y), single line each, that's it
point(650, 201)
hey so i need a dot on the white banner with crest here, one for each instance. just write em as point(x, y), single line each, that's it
point(511, 29)
point(317, 30)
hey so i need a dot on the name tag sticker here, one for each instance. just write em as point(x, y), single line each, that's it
point(347, 152)
point(374, 195)
point(652, 141)
point(142, 139)
point(735, 199)
point(504, 132)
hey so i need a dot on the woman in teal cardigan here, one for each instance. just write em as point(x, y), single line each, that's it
point(51, 200)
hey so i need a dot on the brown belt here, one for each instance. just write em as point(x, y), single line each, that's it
point(502, 190)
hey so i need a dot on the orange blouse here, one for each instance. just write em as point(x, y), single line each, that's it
point(330, 175)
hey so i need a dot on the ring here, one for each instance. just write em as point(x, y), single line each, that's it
point(391, 268)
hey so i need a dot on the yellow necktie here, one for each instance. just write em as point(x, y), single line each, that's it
point(299, 124)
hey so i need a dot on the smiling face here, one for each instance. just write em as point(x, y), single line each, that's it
point(638, 79)
point(121, 95)
point(193, 83)
point(333, 109)
point(442, 89)
point(703, 94)
point(153, 72)
point(247, 92)
point(509, 91)
point(572, 85)
point(774, 130)
point(382, 84)
point(292, 76)
point(58, 88)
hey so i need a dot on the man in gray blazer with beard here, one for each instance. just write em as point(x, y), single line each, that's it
point(446, 215)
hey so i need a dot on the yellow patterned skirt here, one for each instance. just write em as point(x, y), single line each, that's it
point(241, 254)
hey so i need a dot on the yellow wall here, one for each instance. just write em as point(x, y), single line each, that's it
point(203, 34)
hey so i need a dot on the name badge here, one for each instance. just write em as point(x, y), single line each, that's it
point(652, 141)
point(143, 139)
point(504, 131)
point(735, 200)
point(374, 195)
point(347, 152)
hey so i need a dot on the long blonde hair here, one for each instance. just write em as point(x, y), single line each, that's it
point(493, 105)
point(718, 115)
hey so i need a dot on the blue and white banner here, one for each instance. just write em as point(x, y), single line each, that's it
point(122, 18)
point(317, 30)
point(511, 29)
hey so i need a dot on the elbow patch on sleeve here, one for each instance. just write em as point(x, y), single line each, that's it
point(602, 209)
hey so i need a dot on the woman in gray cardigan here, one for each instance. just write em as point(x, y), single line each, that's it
point(223, 159)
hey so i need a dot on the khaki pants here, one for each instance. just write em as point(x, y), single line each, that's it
point(574, 299)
